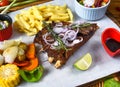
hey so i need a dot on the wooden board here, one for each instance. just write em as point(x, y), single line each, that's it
point(27, 5)
point(100, 82)
point(114, 11)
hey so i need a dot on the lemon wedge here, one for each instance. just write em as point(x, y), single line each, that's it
point(84, 63)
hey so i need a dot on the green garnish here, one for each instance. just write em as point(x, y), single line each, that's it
point(57, 38)
point(81, 25)
point(111, 82)
point(3, 24)
point(81, 2)
point(0, 27)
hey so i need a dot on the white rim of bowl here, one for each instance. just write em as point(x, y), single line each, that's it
point(93, 8)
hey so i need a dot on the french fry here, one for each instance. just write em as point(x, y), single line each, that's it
point(37, 13)
point(30, 21)
point(70, 14)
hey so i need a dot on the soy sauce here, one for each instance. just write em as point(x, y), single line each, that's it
point(113, 45)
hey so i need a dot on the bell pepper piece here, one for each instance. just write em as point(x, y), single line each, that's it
point(33, 63)
point(106, 1)
point(30, 54)
point(32, 76)
point(4, 2)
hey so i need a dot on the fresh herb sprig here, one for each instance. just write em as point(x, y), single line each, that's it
point(80, 25)
point(57, 38)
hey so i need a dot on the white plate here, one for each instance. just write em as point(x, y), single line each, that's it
point(103, 65)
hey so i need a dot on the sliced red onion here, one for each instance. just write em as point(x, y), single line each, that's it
point(59, 24)
point(76, 41)
point(69, 44)
point(77, 23)
point(58, 30)
point(70, 35)
point(64, 29)
point(46, 40)
point(77, 30)
point(66, 33)
point(54, 45)
point(61, 35)
point(81, 39)
point(80, 22)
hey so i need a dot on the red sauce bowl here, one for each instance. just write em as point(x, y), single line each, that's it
point(114, 34)
point(7, 32)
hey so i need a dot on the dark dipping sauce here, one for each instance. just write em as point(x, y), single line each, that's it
point(113, 45)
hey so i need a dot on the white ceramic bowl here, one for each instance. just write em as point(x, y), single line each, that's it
point(90, 13)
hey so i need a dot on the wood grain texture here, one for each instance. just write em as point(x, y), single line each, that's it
point(113, 11)
point(100, 82)
point(28, 5)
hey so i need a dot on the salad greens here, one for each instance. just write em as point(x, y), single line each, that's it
point(111, 82)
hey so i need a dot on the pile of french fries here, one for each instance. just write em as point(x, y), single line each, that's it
point(30, 21)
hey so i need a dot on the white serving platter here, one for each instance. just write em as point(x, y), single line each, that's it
point(103, 65)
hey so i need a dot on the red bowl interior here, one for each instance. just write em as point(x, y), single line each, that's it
point(6, 33)
point(110, 33)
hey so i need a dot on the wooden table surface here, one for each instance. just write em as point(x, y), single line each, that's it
point(113, 12)
point(28, 5)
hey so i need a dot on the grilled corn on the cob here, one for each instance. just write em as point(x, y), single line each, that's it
point(9, 76)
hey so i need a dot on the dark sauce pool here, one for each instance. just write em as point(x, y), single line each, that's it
point(113, 45)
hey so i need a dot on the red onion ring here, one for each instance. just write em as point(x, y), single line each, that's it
point(70, 35)
point(76, 41)
point(45, 39)
point(59, 24)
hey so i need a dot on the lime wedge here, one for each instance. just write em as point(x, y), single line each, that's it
point(84, 63)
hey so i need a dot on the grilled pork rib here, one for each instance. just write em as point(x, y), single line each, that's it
point(61, 40)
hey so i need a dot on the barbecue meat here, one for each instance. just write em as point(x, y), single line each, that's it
point(70, 36)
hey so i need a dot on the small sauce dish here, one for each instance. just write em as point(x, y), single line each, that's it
point(111, 41)
point(5, 27)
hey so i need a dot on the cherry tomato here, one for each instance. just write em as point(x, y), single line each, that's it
point(4, 2)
